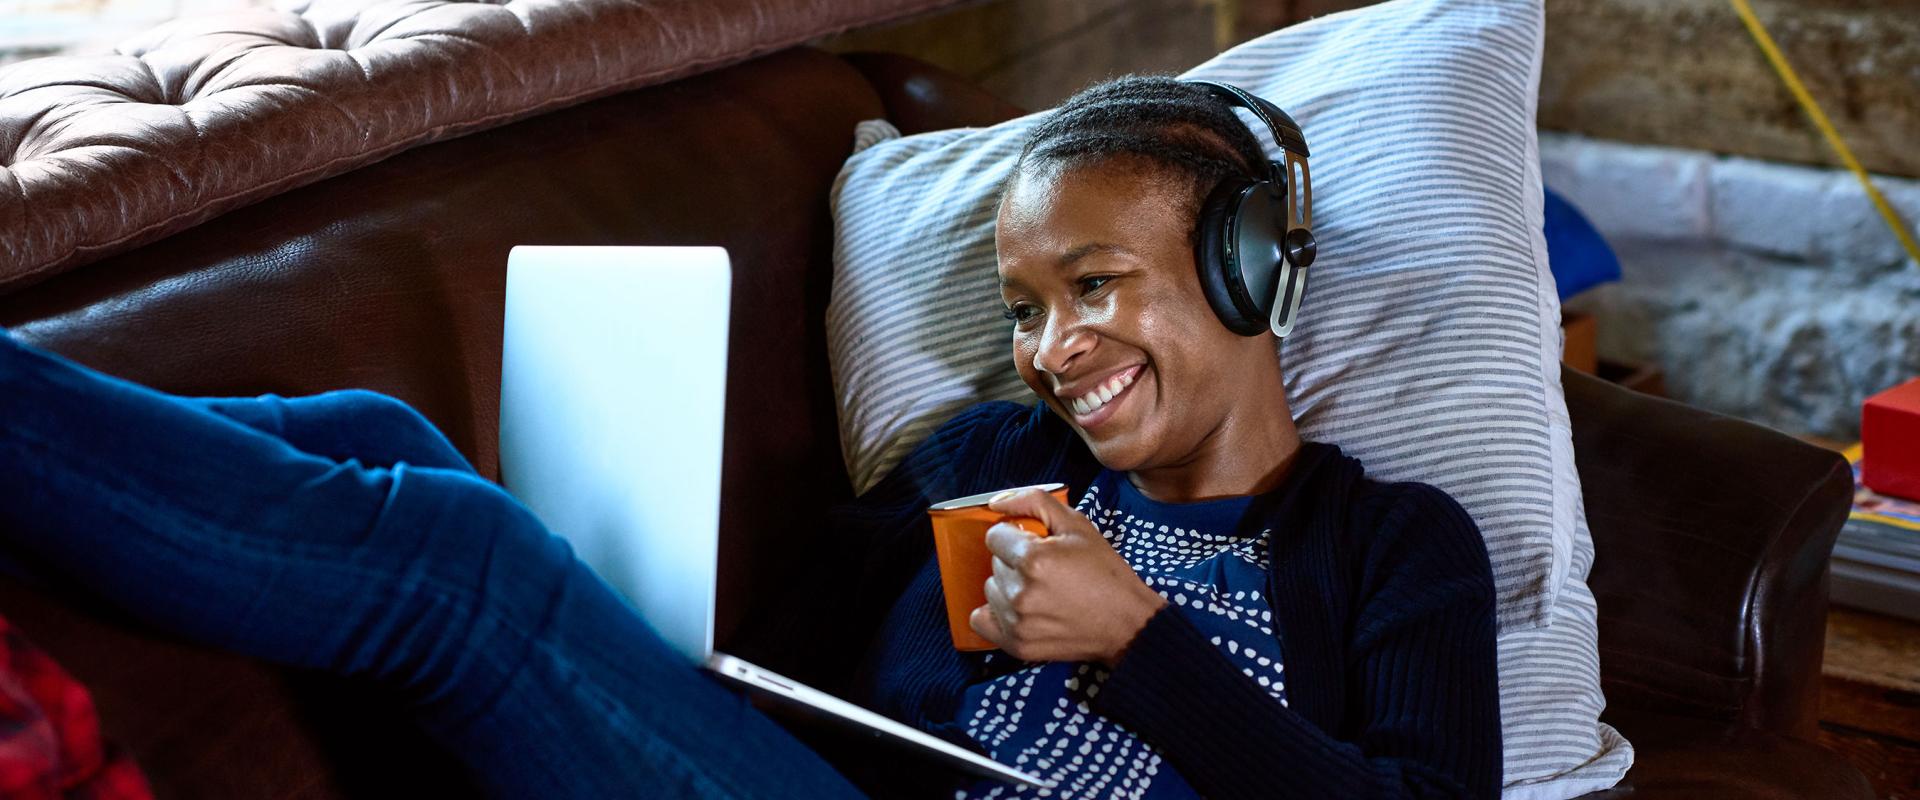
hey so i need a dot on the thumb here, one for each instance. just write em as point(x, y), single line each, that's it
point(1032, 501)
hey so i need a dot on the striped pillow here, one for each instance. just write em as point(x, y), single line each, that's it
point(1429, 340)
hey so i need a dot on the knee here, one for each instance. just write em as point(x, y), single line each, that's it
point(362, 405)
point(470, 576)
point(482, 535)
point(379, 429)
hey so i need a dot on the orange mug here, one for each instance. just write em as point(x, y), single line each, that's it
point(960, 543)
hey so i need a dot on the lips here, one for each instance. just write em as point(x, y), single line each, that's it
point(1095, 404)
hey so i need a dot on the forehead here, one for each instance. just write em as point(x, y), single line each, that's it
point(1048, 213)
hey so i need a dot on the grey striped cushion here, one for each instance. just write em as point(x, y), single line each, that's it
point(1429, 341)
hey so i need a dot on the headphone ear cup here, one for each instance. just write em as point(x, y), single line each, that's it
point(1216, 258)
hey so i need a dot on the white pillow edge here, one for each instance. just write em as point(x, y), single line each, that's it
point(1566, 476)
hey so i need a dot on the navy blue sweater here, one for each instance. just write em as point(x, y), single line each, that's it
point(1382, 599)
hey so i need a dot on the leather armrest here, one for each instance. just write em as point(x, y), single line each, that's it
point(921, 97)
point(1712, 537)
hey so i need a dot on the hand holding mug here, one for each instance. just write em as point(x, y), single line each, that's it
point(1067, 596)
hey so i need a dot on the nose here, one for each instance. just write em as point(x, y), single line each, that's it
point(1063, 341)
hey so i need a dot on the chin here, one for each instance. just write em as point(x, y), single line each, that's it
point(1122, 452)
point(1117, 454)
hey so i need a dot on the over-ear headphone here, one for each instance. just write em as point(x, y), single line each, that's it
point(1255, 239)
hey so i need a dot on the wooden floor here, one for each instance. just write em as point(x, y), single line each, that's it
point(1870, 698)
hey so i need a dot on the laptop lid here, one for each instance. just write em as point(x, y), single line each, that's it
point(612, 406)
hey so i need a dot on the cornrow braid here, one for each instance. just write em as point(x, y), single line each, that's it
point(1157, 121)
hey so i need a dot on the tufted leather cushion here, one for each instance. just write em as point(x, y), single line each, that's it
point(207, 114)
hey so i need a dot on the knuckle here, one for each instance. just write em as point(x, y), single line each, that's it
point(1019, 604)
point(1039, 562)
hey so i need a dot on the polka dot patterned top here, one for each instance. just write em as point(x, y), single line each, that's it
point(1037, 718)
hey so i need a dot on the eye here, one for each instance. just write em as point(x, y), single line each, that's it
point(1092, 283)
point(1021, 312)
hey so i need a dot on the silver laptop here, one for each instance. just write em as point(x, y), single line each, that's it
point(612, 401)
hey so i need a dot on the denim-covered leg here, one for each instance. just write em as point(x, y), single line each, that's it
point(351, 424)
point(513, 654)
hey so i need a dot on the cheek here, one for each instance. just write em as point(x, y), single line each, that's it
point(1025, 345)
point(1187, 342)
point(1187, 315)
point(1101, 313)
point(1160, 316)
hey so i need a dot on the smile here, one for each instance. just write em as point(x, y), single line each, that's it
point(1091, 403)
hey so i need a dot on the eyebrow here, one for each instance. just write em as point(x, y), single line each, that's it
point(1068, 258)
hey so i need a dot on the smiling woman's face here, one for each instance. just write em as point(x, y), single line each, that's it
point(1111, 328)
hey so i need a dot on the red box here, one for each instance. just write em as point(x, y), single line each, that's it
point(1890, 441)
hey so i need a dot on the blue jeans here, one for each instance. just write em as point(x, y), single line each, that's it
point(343, 532)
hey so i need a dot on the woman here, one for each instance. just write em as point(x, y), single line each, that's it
point(1226, 611)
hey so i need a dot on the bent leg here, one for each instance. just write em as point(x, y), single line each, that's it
point(513, 653)
point(376, 429)
point(551, 685)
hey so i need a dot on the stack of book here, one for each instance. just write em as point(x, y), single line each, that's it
point(1876, 561)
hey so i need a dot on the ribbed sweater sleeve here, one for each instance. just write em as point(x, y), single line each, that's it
point(1421, 692)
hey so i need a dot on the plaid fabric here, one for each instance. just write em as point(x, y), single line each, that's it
point(50, 743)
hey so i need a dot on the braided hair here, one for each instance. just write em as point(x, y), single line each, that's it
point(1152, 122)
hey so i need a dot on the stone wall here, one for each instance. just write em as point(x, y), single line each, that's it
point(1768, 291)
point(1685, 73)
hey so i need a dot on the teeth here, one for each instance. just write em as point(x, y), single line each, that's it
point(1101, 395)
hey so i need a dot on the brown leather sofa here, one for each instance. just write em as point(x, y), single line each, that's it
point(251, 218)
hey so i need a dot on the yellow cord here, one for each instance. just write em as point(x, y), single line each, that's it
point(1826, 128)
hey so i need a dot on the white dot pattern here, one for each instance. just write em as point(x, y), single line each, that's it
point(1039, 719)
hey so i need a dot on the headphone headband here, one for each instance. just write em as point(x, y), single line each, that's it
point(1286, 132)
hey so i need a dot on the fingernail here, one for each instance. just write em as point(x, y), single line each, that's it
point(1001, 496)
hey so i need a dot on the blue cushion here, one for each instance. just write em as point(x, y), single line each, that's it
point(1579, 258)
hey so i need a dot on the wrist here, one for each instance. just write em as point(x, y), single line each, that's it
point(1134, 618)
